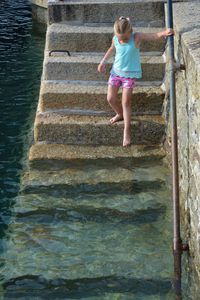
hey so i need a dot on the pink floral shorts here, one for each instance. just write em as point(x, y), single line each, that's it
point(118, 81)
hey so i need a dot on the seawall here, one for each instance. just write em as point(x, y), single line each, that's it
point(187, 52)
point(39, 10)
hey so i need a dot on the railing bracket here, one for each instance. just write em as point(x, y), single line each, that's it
point(185, 247)
point(57, 51)
point(179, 67)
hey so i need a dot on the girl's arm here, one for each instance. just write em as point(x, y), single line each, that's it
point(101, 66)
point(140, 36)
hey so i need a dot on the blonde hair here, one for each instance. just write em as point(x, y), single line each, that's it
point(122, 26)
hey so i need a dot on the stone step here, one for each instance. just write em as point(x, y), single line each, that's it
point(83, 66)
point(99, 288)
point(86, 254)
point(93, 179)
point(74, 248)
point(92, 38)
point(97, 11)
point(52, 156)
point(95, 130)
point(90, 96)
point(82, 213)
point(115, 206)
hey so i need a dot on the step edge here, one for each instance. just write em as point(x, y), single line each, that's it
point(41, 150)
point(41, 117)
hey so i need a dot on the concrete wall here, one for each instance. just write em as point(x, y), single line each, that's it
point(187, 52)
point(40, 13)
point(39, 10)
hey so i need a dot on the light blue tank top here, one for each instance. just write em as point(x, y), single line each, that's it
point(127, 59)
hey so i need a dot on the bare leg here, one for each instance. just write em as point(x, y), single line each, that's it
point(126, 104)
point(114, 103)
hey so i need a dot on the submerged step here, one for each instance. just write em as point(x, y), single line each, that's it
point(99, 288)
point(61, 249)
point(108, 11)
point(85, 250)
point(115, 206)
point(43, 155)
point(83, 66)
point(93, 179)
point(95, 130)
point(89, 214)
point(92, 38)
point(84, 95)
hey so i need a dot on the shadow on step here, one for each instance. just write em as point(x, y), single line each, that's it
point(110, 188)
point(82, 288)
point(85, 214)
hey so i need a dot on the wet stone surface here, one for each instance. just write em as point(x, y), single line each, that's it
point(90, 244)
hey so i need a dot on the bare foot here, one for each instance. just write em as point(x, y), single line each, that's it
point(116, 118)
point(127, 138)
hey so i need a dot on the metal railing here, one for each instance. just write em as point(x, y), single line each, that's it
point(178, 246)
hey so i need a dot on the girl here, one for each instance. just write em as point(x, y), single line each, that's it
point(126, 68)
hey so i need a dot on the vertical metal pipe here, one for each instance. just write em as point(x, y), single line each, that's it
point(177, 243)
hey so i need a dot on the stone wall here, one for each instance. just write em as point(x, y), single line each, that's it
point(187, 52)
point(39, 10)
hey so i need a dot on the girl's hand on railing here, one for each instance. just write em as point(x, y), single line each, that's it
point(168, 31)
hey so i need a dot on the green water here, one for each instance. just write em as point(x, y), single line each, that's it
point(21, 56)
point(79, 241)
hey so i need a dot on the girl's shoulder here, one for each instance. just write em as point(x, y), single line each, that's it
point(115, 39)
point(134, 35)
point(135, 38)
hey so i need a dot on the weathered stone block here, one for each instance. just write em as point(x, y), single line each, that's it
point(95, 130)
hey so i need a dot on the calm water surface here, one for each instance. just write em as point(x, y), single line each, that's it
point(21, 56)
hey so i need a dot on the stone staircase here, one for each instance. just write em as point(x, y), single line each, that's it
point(83, 232)
point(93, 216)
point(72, 109)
